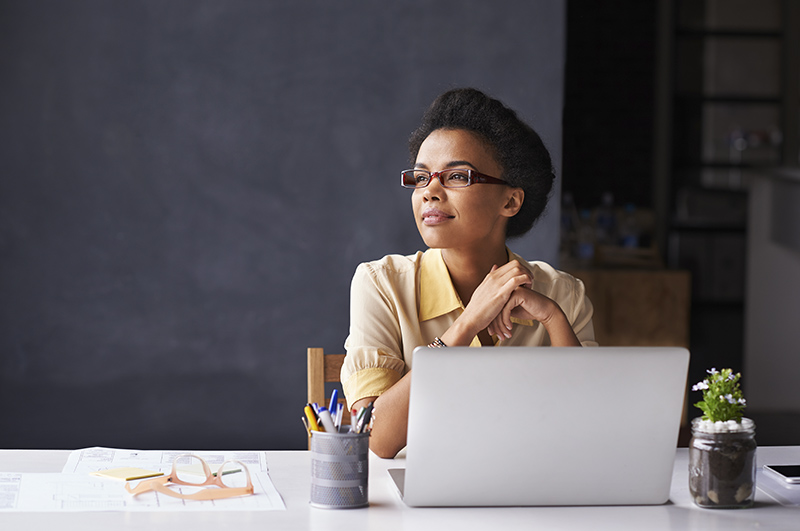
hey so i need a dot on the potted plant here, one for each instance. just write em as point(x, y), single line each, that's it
point(723, 448)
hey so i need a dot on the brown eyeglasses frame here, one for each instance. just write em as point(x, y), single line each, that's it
point(159, 484)
point(473, 176)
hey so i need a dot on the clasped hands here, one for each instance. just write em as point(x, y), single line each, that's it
point(505, 293)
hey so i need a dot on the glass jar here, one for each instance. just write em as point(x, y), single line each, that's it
point(722, 464)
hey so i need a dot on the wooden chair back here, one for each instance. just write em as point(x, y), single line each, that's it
point(324, 368)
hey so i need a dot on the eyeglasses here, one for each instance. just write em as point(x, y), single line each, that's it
point(232, 479)
point(455, 178)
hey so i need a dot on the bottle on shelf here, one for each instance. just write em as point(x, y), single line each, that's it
point(606, 221)
point(586, 239)
point(629, 231)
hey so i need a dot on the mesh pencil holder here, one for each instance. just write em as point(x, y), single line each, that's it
point(339, 470)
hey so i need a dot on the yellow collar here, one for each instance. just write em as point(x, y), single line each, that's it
point(437, 294)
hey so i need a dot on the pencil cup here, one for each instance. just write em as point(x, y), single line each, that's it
point(339, 470)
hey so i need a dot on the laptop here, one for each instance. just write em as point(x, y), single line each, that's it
point(530, 426)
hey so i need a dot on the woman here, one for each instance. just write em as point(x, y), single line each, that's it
point(480, 176)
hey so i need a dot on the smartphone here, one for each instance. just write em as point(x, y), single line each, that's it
point(788, 473)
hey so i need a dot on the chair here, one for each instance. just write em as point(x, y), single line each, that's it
point(324, 368)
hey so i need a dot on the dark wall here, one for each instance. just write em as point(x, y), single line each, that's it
point(186, 188)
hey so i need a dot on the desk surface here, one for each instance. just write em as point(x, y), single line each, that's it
point(290, 471)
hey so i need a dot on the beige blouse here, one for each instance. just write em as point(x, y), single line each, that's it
point(401, 302)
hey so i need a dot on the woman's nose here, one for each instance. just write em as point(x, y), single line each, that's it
point(434, 190)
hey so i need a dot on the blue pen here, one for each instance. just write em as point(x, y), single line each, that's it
point(332, 405)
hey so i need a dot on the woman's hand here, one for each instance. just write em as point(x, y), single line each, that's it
point(526, 304)
point(504, 293)
point(493, 294)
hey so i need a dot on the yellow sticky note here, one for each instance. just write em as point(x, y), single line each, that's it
point(127, 473)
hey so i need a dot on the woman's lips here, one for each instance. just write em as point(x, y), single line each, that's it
point(434, 217)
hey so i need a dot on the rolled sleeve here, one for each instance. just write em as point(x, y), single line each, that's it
point(369, 382)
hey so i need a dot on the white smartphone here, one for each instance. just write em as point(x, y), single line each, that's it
point(788, 473)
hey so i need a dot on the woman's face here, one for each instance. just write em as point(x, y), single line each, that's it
point(461, 218)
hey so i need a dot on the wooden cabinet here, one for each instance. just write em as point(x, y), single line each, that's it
point(639, 307)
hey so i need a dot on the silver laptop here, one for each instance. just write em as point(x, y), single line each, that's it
point(542, 426)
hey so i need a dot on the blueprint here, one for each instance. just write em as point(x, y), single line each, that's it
point(76, 489)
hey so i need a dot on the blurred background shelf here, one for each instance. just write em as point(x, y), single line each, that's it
point(717, 82)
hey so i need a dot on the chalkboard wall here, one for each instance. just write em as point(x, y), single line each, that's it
point(186, 188)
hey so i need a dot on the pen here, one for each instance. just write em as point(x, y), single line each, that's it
point(305, 423)
point(364, 419)
point(368, 417)
point(327, 421)
point(339, 415)
point(353, 417)
point(312, 418)
point(334, 401)
point(358, 419)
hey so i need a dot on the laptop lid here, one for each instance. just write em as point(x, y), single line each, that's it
point(543, 426)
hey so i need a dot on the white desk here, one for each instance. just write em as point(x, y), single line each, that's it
point(290, 472)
